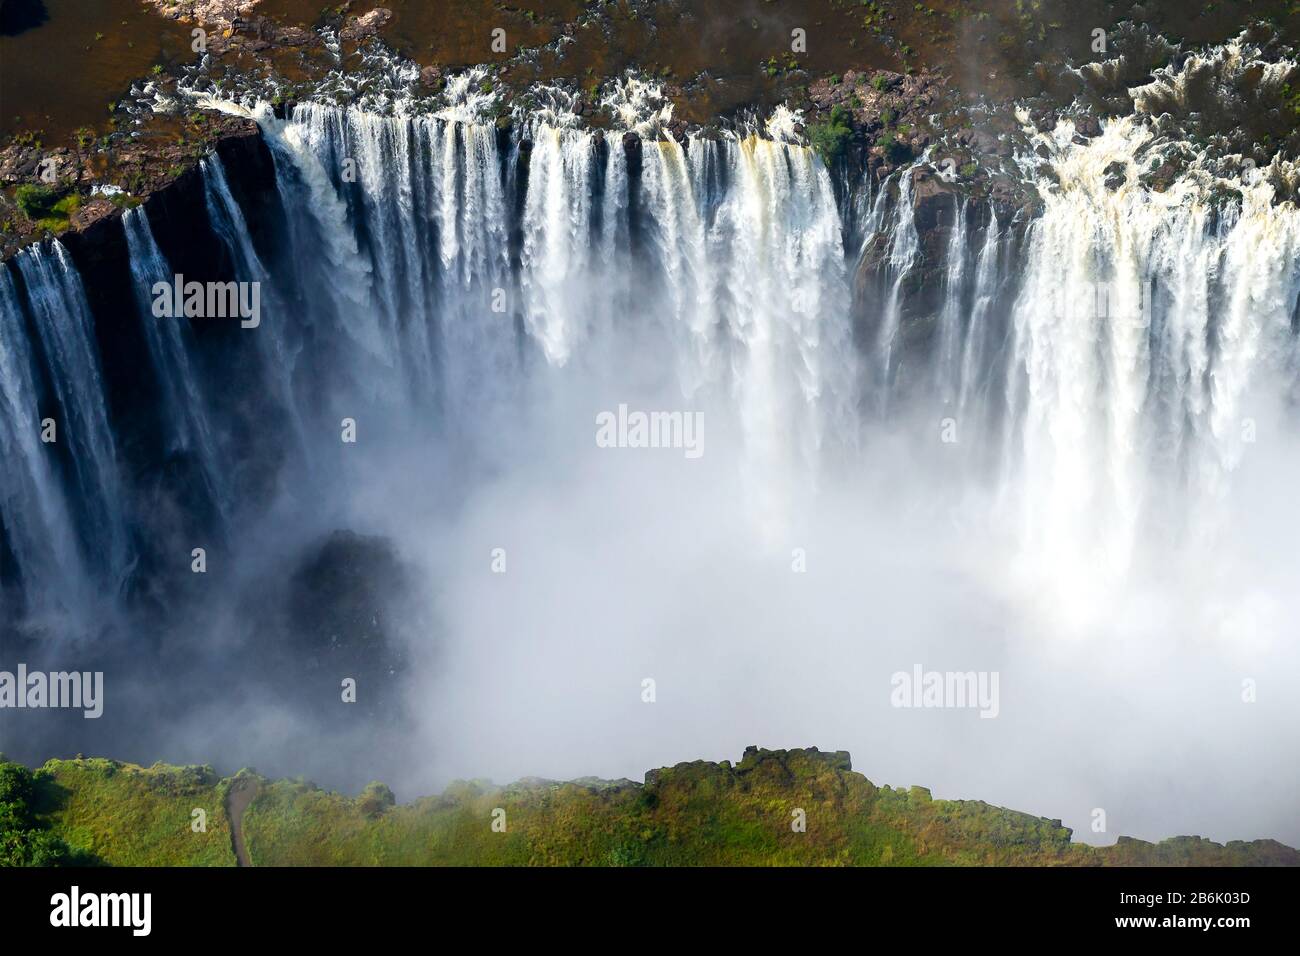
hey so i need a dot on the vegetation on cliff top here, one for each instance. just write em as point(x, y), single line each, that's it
point(693, 814)
point(24, 839)
point(831, 137)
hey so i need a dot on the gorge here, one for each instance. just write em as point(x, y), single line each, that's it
point(1031, 414)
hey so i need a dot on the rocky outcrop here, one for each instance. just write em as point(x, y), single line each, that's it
point(220, 13)
point(105, 175)
point(366, 25)
point(889, 113)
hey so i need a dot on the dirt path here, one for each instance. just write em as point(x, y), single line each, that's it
point(237, 801)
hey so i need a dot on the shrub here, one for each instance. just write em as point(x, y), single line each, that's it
point(375, 799)
point(831, 137)
point(895, 150)
point(23, 839)
point(37, 202)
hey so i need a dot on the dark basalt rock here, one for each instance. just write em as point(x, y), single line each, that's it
point(1116, 175)
point(337, 617)
point(1087, 125)
point(934, 203)
point(1044, 120)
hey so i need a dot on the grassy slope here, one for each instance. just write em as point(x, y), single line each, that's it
point(692, 814)
point(126, 815)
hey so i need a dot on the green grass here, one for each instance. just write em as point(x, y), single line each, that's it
point(124, 815)
point(50, 207)
point(37, 201)
point(693, 814)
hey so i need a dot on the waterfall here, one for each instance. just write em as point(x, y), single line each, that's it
point(903, 250)
point(277, 340)
point(952, 317)
point(561, 288)
point(1150, 332)
point(442, 276)
point(184, 400)
point(65, 331)
point(1035, 417)
point(977, 337)
point(35, 518)
point(412, 217)
point(740, 244)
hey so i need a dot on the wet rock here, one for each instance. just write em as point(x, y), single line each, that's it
point(215, 12)
point(1044, 120)
point(339, 612)
point(19, 163)
point(366, 25)
point(992, 144)
point(29, 164)
point(885, 81)
point(140, 168)
point(91, 212)
point(934, 202)
point(1087, 126)
point(294, 36)
point(1162, 177)
point(1007, 196)
point(1116, 175)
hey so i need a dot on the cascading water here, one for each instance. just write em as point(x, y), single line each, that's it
point(976, 338)
point(904, 248)
point(64, 330)
point(455, 291)
point(738, 238)
point(36, 523)
point(184, 403)
point(1153, 332)
point(738, 242)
